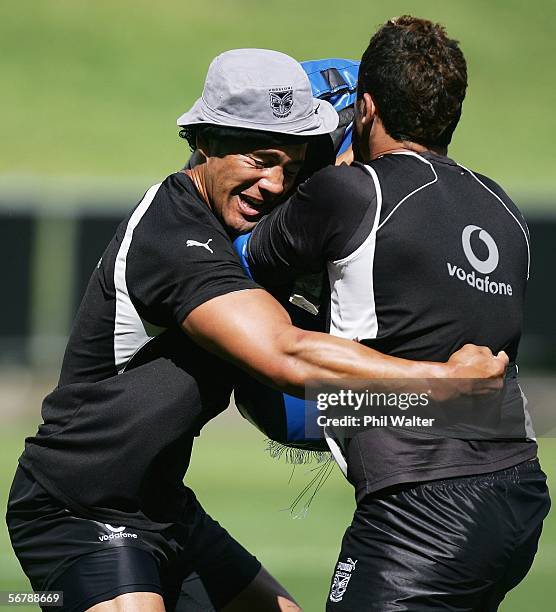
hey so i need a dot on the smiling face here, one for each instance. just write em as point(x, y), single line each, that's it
point(244, 180)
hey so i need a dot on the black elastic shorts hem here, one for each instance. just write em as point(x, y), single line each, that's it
point(65, 552)
point(105, 574)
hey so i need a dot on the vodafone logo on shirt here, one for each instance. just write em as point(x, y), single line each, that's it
point(481, 266)
point(491, 262)
point(116, 533)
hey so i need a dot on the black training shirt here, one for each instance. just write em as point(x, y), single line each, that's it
point(134, 390)
point(422, 256)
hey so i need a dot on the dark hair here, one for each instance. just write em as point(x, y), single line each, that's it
point(224, 133)
point(417, 77)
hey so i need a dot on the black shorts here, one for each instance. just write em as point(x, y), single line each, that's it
point(92, 561)
point(454, 544)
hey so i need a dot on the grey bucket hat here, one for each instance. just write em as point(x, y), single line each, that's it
point(262, 90)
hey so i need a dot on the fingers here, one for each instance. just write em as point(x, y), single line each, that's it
point(477, 350)
point(501, 361)
point(346, 157)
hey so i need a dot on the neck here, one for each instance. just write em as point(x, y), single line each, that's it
point(196, 173)
point(380, 143)
point(404, 145)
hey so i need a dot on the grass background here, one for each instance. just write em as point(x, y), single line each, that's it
point(248, 492)
point(91, 91)
point(94, 88)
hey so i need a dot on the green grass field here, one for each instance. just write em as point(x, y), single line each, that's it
point(93, 88)
point(248, 492)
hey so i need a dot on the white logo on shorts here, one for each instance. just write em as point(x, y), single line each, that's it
point(204, 245)
point(117, 533)
point(341, 579)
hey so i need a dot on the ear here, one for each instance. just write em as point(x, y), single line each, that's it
point(367, 109)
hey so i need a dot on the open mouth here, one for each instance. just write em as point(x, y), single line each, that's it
point(250, 207)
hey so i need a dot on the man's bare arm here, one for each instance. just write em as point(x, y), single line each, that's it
point(251, 329)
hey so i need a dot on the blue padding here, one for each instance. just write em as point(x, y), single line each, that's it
point(295, 416)
point(346, 142)
point(348, 70)
point(340, 95)
point(240, 245)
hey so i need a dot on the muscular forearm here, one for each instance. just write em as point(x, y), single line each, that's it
point(253, 331)
point(312, 355)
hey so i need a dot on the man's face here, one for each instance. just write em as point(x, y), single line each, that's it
point(244, 181)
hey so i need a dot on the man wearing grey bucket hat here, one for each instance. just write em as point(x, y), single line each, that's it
point(98, 508)
point(279, 100)
point(255, 98)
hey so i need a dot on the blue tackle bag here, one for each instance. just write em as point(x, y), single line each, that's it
point(281, 417)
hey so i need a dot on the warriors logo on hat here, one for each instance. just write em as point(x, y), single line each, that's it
point(281, 101)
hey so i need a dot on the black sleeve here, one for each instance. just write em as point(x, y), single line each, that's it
point(327, 218)
point(166, 279)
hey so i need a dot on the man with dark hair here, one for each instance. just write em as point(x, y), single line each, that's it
point(420, 88)
point(422, 255)
point(98, 508)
